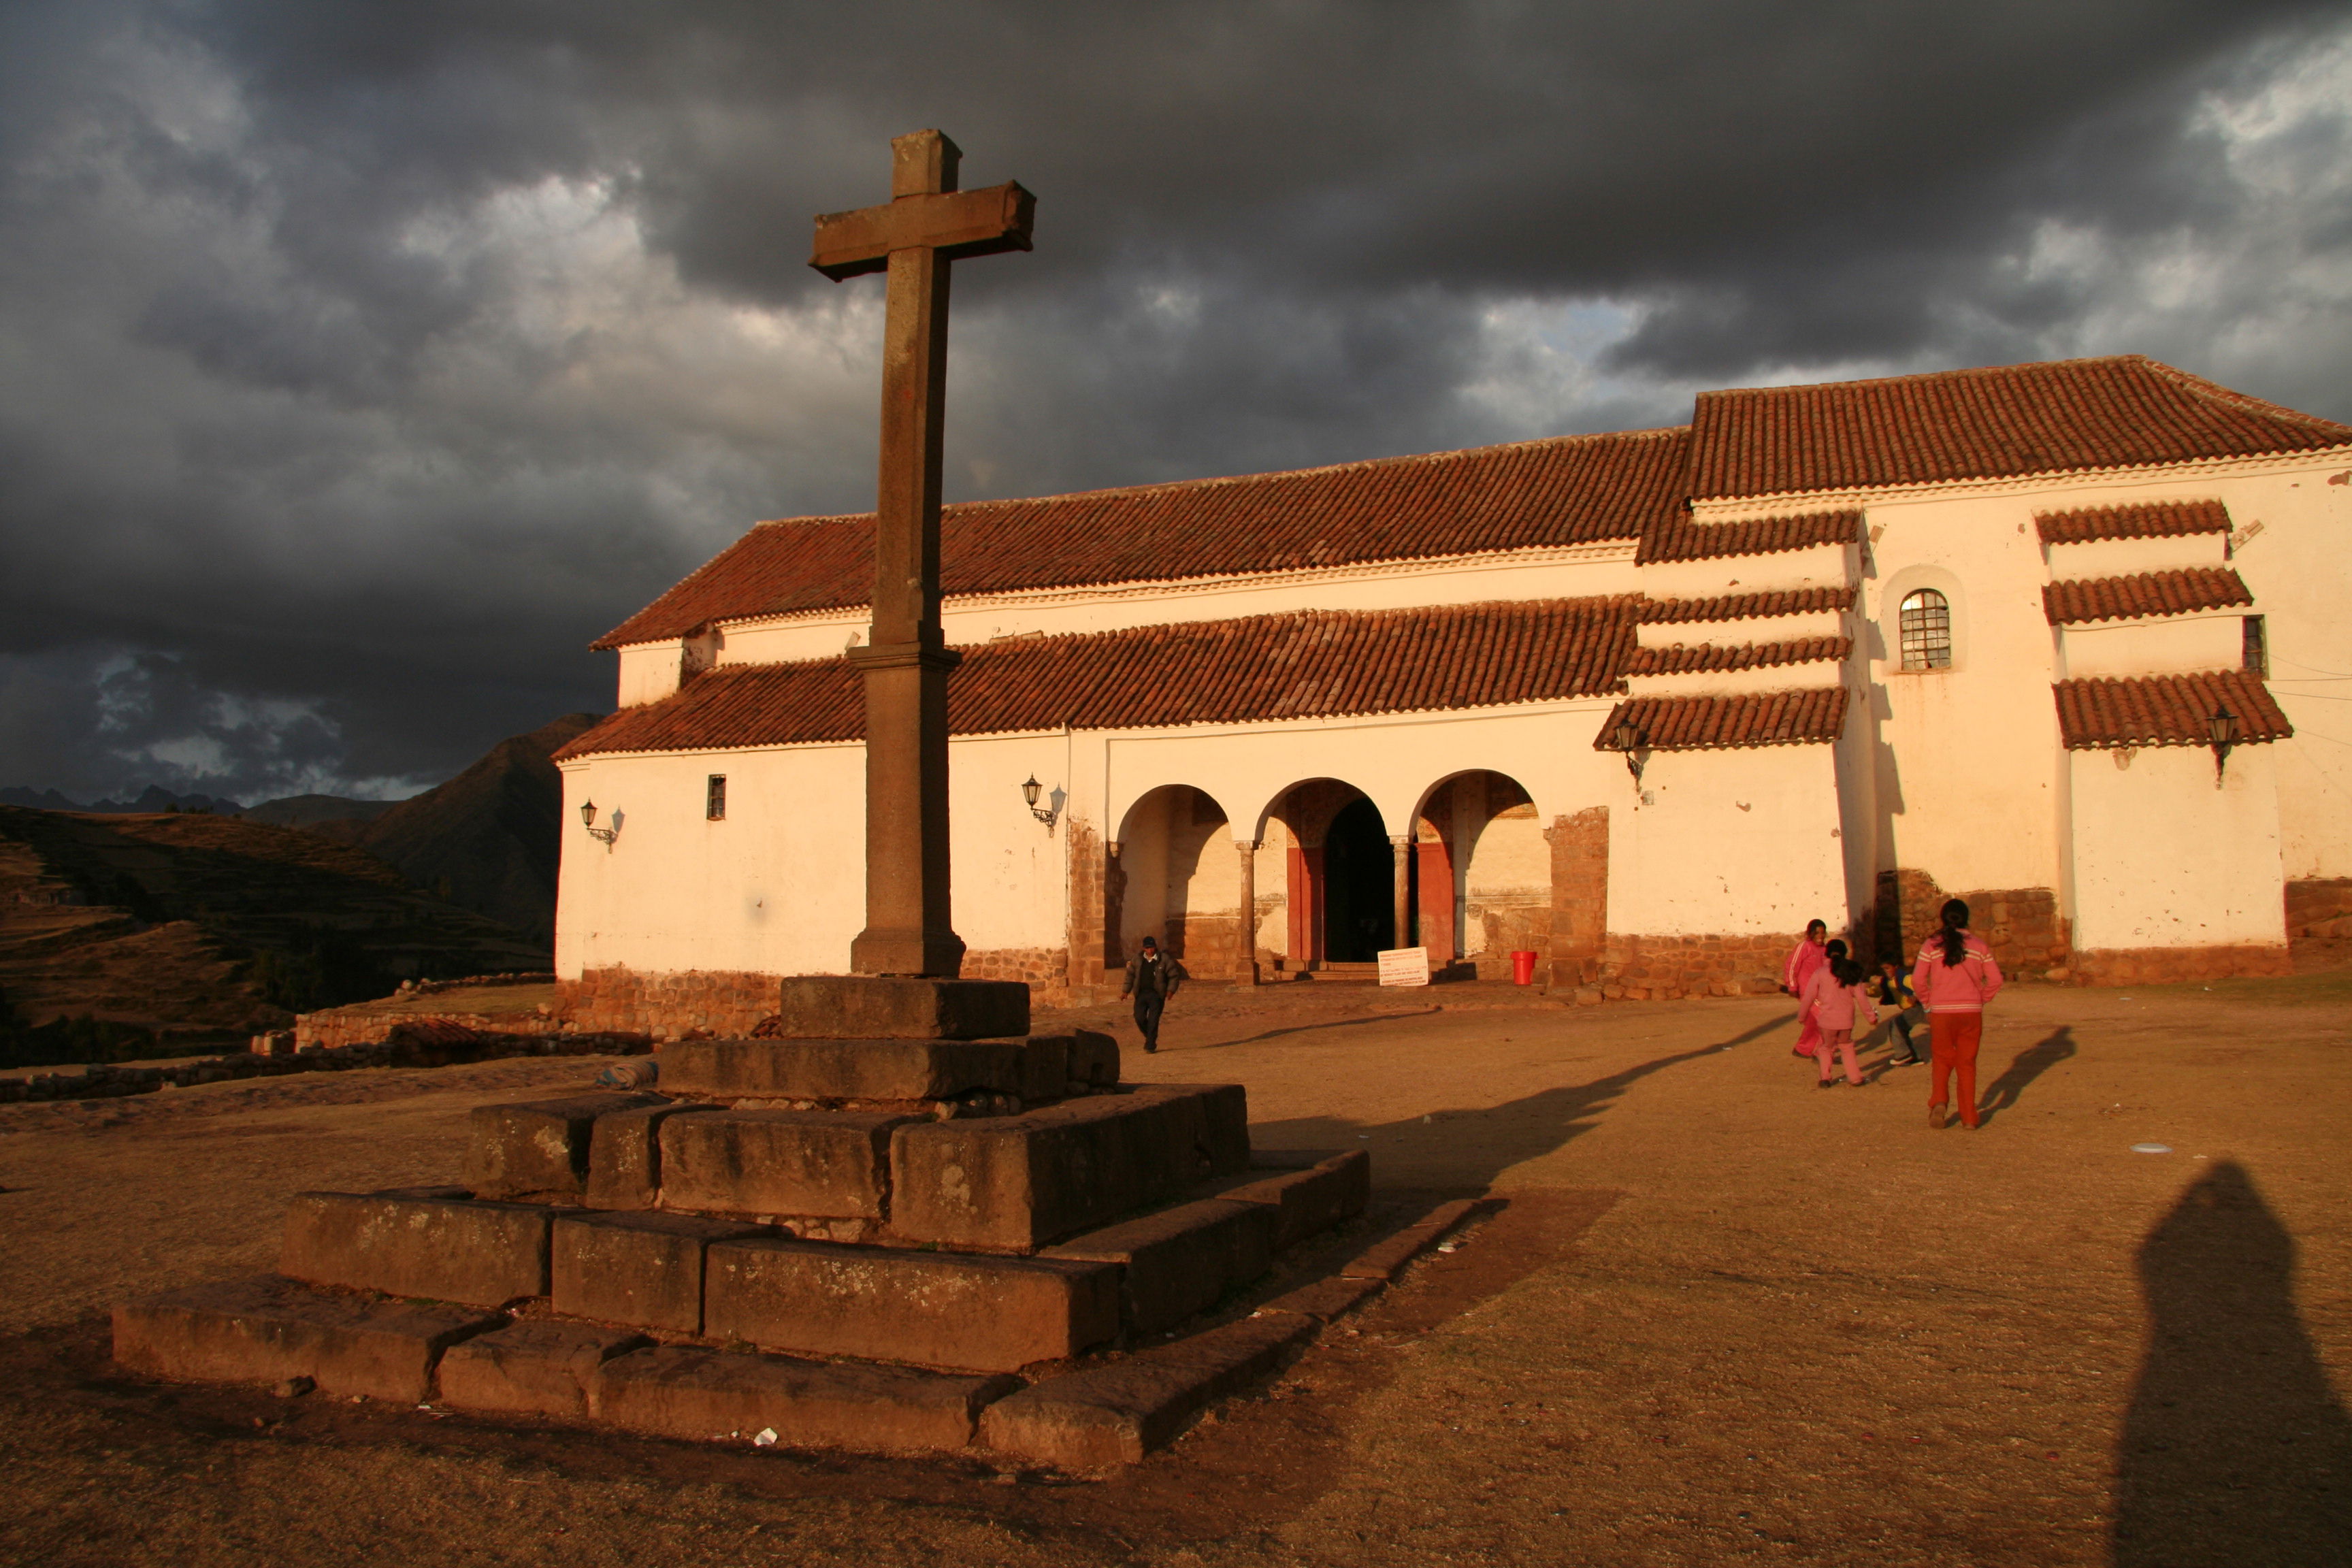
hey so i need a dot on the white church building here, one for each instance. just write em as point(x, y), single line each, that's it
point(2067, 640)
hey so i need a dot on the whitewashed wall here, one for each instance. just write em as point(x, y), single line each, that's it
point(1743, 841)
point(2163, 858)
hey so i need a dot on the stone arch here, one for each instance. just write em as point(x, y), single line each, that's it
point(1481, 870)
point(1175, 878)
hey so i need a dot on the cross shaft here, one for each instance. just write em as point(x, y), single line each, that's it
point(913, 239)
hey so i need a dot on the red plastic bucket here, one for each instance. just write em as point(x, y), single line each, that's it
point(1523, 969)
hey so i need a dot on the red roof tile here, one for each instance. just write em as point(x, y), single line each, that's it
point(1713, 656)
point(1747, 606)
point(1977, 423)
point(2166, 710)
point(1304, 665)
point(2142, 594)
point(1812, 716)
point(2151, 520)
point(1570, 489)
point(1679, 538)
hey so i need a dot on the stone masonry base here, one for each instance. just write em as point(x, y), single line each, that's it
point(2167, 965)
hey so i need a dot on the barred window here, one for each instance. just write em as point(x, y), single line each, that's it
point(1927, 631)
point(714, 799)
point(2256, 648)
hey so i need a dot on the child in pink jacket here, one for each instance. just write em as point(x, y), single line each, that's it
point(1833, 996)
point(1954, 978)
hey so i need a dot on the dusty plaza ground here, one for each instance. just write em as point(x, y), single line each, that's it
point(1719, 1317)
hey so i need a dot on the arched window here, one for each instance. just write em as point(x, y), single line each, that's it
point(1926, 630)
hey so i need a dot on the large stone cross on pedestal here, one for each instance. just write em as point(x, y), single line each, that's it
point(926, 224)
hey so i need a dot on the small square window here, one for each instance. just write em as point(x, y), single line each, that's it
point(714, 801)
point(2257, 646)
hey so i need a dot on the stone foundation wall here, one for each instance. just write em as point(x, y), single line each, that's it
point(2320, 906)
point(2030, 940)
point(1661, 968)
point(334, 1027)
point(723, 1003)
point(1045, 968)
point(2167, 965)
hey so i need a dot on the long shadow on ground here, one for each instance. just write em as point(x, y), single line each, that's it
point(2004, 1092)
point(1475, 1146)
point(2235, 1448)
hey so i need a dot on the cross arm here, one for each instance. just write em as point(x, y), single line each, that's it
point(956, 224)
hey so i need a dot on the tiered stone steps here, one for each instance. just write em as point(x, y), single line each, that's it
point(869, 1243)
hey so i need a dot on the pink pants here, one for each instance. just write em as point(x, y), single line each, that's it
point(1834, 1041)
point(1953, 1040)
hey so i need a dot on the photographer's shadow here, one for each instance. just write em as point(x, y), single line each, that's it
point(2236, 1450)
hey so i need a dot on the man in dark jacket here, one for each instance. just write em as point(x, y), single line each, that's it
point(1151, 979)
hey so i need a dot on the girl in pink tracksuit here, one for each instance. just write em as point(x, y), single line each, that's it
point(1954, 978)
point(1833, 996)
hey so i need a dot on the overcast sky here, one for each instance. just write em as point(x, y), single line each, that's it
point(359, 362)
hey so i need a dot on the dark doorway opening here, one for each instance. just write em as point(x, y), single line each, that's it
point(1359, 885)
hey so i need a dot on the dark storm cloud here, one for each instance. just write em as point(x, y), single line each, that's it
point(359, 363)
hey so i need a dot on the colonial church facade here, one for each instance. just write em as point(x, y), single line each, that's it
point(2066, 639)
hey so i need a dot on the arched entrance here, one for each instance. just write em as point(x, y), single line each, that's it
point(1359, 885)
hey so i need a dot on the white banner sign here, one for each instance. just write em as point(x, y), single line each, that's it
point(1404, 967)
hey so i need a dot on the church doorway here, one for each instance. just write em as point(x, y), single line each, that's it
point(1359, 885)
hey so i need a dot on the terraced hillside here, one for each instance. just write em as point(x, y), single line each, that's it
point(194, 928)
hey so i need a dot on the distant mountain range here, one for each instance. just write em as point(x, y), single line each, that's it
point(153, 799)
point(185, 918)
point(484, 841)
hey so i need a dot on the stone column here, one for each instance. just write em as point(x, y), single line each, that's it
point(1400, 851)
point(1113, 905)
point(1246, 928)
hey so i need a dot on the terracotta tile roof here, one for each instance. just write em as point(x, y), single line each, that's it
point(2128, 599)
point(1977, 423)
point(1712, 657)
point(1812, 716)
point(1307, 664)
point(1679, 538)
point(2154, 520)
point(1572, 490)
point(1747, 606)
point(2166, 710)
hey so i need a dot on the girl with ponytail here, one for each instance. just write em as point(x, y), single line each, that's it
point(1953, 977)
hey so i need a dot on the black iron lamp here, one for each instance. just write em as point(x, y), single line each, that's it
point(1633, 741)
point(2222, 727)
point(604, 835)
point(1030, 790)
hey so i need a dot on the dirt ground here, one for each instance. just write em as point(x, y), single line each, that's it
point(1720, 1316)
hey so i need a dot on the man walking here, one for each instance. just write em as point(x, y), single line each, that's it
point(1151, 979)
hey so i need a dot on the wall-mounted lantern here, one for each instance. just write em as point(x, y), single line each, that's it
point(2224, 730)
point(1634, 741)
point(1051, 811)
point(604, 835)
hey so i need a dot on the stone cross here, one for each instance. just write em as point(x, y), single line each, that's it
point(926, 224)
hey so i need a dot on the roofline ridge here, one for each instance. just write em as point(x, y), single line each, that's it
point(1954, 372)
point(1206, 481)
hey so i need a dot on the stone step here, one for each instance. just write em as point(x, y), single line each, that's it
point(442, 1250)
point(804, 1163)
point(537, 1367)
point(267, 1328)
point(538, 1149)
point(933, 1309)
point(1387, 1258)
point(624, 1156)
point(642, 1269)
point(1181, 1260)
point(819, 1069)
point(716, 1395)
point(1013, 1184)
point(1309, 1202)
point(1114, 1414)
point(827, 1006)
